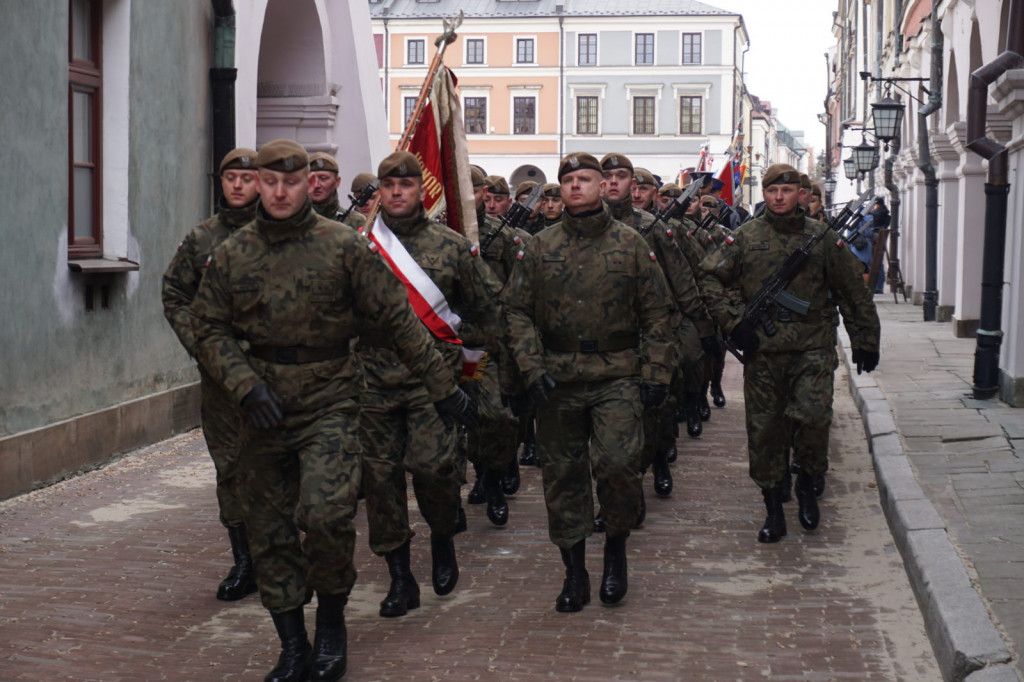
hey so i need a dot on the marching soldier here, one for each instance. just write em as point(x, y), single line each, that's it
point(497, 199)
point(324, 180)
point(589, 323)
point(221, 419)
point(449, 285)
point(551, 204)
point(357, 215)
point(274, 317)
point(645, 191)
point(788, 375)
point(492, 446)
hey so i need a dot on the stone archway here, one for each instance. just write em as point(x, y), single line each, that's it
point(524, 173)
point(293, 98)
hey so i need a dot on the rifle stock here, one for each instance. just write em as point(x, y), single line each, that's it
point(515, 218)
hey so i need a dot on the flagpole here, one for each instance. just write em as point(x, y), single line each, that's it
point(442, 42)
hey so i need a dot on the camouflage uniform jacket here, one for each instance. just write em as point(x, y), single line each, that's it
point(587, 279)
point(684, 231)
point(500, 256)
point(471, 289)
point(736, 272)
point(304, 281)
point(678, 273)
point(183, 275)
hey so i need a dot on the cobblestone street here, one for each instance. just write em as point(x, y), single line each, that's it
point(110, 576)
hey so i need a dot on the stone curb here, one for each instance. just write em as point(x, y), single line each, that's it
point(966, 643)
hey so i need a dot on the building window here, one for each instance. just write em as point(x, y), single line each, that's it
point(690, 115)
point(524, 115)
point(586, 115)
point(408, 106)
point(415, 51)
point(475, 110)
point(524, 51)
point(587, 49)
point(643, 115)
point(691, 48)
point(644, 49)
point(85, 81)
point(474, 50)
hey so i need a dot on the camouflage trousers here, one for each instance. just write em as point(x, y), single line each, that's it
point(303, 474)
point(659, 428)
point(401, 431)
point(789, 406)
point(222, 428)
point(591, 429)
point(692, 360)
point(494, 442)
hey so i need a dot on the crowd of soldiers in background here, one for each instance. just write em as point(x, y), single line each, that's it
point(579, 331)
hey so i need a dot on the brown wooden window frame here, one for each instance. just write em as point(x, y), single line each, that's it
point(86, 76)
point(693, 46)
point(690, 117)
point(644, 115)
point(587, 112)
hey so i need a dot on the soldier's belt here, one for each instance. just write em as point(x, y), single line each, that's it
point(567, 344)
point(297, 355)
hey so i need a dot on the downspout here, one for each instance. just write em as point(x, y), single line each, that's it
point(997, 190)
point(931, 181)
point(894, 192)
point(561, 82)
point(222, 86)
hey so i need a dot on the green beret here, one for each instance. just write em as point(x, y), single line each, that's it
point(400, 165)
point(241, 158)
point(805, 181)
point(816, 191)
point(708, 200)
point(578, 161)
point(670, 189)
point(644, 177)
point(323, 162)
point(282, 155)
point(780, 174)
point(524, 187)
point(552, 189)
point(613, 161)
point(362, 180)
point(496, 184)
point(477, 176)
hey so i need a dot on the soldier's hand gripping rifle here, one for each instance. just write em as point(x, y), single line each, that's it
point(678, 207)
point(360, 199)
point(515, 217)
point(762, 309)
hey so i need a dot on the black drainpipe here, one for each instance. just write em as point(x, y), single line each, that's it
point(222, 87)
point(997, 189)
point(931, 181)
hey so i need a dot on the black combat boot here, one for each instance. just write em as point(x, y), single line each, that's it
point(774, 528)
point(529, 456)
point(510, 478)
point(614, 582)
point(404, 594)
point(576, 588)
point(241, 578)
point(819, 484)
point(807, 509)
point(445, 569)
point(673, 452)
point(662, 475)
point(642, 516)
point(694, 425)
point(717, 396)
point(599, 521)
point(330, 648)
point(294, 662)
point(461, 525)
point(497, 505)
point(476, 494)
point(703, 409)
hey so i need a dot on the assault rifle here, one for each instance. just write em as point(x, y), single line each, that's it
point(678, 207)
point(360, 199)
point(762, 309)
point(515, 217)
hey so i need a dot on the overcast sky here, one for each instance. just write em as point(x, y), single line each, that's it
point(786, 61)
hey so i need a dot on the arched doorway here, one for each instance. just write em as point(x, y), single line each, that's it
point(524, 173)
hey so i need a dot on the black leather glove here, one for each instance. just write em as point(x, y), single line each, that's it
point(519, 404)
point(263, 407)
point(538, 390)
point(865, 360)
point(458, 407)
point(744, 337)
point(710, 346)
point(653, 395)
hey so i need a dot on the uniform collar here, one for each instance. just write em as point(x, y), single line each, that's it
point(235, 217)
point(294, 226)
point(410, 225)
point(590, 224)
point(793, 223)
point(329, 208)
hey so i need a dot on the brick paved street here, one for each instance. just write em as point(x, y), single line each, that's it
point(111, 576)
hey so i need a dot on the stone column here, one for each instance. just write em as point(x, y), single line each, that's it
point(969, 233)
point(946, 160)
